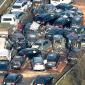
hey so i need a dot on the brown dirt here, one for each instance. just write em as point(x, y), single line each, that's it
point(82, 7)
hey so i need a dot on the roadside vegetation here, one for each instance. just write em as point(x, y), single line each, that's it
point(77, 76)
point(4, 7)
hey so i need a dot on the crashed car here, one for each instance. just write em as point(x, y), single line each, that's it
point(44, 8)
point(45, 18)
point(64, 6)
point(63, 22)
point(81, 40)
point(43, 80)
point(44, 45)
point(29, 52)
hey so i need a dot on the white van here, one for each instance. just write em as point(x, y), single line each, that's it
point(12, 19)
point(56, 2)
point(5, 54)
point(8, 18)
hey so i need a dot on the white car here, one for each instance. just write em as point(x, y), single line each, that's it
point(12, 18)
point(38, 63)
point(21, 6)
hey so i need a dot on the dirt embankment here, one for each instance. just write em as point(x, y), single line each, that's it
point(82, 7)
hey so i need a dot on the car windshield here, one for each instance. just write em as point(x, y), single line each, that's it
point(38, 60)
point(7, 19)
point(3, 61)
point(17, 7)
point(51, 58)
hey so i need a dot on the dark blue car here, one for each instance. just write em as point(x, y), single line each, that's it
point(4, 66)
point(45, 18)
point(12, 79)
point(43, 80)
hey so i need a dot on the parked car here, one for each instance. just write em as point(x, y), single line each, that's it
point(29, 52)
point(43, 45)
point(43, 80)
point(21, 6)
point(52, 60)
point(17, 62)
point(12, 79)
point(37, 63)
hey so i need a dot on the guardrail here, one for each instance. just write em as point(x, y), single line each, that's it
point(2, 3)
point(66, 73)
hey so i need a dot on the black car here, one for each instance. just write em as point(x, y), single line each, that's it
point(12, 79)
point(32, 36)
point(52, 60)
point(63, 22)
point(44, 8)
point(53, 31)
point(17, 62)
point(43, 80)
point(17, 41)
point(29, 52)
point(45, 18)
point(64, 6)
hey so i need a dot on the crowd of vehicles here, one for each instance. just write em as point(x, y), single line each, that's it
point(41, 40)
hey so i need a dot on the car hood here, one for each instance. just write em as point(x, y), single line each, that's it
point(35, 46)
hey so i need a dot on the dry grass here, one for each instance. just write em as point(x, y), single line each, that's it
point(3, 9)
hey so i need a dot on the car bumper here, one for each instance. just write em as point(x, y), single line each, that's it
point(39, 68)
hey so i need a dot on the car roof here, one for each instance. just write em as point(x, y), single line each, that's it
point(4, 52)
point(11, 76)
point(20, 1)
point(8, 15)
point(42, 79)
point(17, 14)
